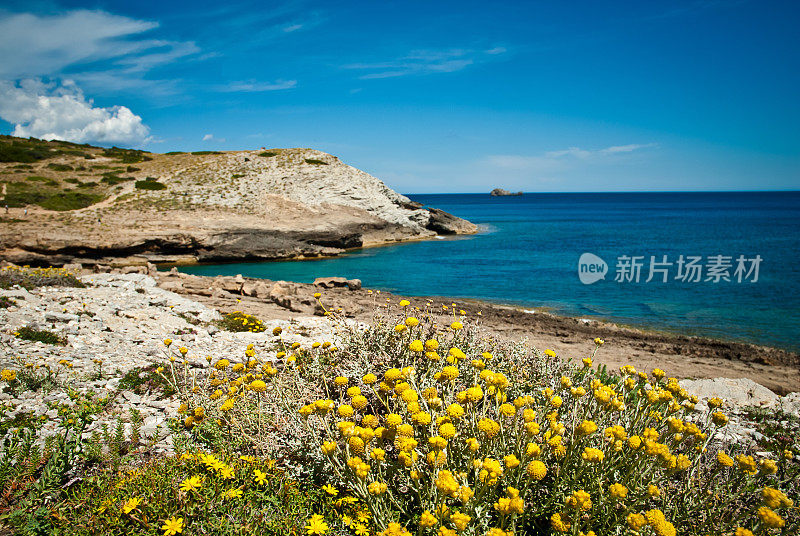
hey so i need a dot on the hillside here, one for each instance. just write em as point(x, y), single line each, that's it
point(90, 204)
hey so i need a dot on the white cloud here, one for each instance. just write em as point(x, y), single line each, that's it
point(425, 62)
point(497, 50)
point(212, 138)
point(292, 28)
point(61, 112)
point(34, 45)
point(557, 160)
point(252, 86)
point(627, 148)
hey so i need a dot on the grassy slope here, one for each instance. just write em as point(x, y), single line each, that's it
point(58, 175)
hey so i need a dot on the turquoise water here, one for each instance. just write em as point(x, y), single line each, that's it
point(528, 251)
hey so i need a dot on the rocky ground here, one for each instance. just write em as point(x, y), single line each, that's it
point(122, 320)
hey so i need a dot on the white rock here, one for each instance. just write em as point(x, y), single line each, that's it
point(733, 391)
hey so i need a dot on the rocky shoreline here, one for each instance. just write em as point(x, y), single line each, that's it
point(114, 329)
point(685, 356)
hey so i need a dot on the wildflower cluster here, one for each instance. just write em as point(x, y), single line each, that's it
point(239, 321)
point(29, 278)
point(446, 441)
point(243, 399)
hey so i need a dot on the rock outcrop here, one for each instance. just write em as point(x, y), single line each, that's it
point(229, 206)
point(499, 192)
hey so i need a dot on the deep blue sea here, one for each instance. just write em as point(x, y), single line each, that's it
point(529, 249)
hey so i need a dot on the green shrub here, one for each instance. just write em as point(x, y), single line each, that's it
point(60, 167)
point(315, 162)
point(41, 335)
point(150, 184)
point(6, 302)
point(205, 152)
point(171, 153)
point(268, 154)
point(112, 179)
point(131, 169)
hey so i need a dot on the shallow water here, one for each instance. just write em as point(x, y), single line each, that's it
point(528, 250)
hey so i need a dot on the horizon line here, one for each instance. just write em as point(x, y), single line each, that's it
point(514, 194)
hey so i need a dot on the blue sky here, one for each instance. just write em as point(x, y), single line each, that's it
point(428, 96)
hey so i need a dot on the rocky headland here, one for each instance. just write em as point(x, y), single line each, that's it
point(80, 204)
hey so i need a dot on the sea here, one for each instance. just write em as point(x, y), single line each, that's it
point(717, 264)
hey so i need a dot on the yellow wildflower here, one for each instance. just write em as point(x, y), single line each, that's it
point(172, 526)
point(131, 505)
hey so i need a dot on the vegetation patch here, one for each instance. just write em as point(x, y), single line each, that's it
point(20, 194)
point(47, 180)
point(150, 183)
point(112, 179)
point(268, 154)
point(29, 278)
point(239, 321)
point(33, 150)
point(70, 200)
point(126, 156)
point(146, 379)
point(18, 150)
point(6, 302)
point(194, 493)
point(60, 167)
point(205, 152)
point(315, 162)
point(40, 335)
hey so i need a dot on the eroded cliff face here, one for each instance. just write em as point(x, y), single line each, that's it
point(238, 205)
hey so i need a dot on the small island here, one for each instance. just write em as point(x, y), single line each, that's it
point(497, 192)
